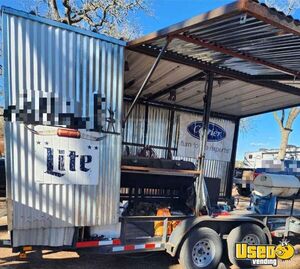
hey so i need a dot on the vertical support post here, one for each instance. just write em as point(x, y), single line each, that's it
point(229, 180)
point(146, 123)
point(276, 206)
point(170, 133)
point(203, 140)
point(292, 207)
point(123, 230)
point(154, 66)
point(165, 231)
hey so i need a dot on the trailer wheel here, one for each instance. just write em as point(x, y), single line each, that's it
point(248, 233)
point(201, 249)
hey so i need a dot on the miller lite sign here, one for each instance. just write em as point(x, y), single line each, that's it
point(66, 160)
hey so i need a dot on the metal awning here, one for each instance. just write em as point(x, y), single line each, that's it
point(253, 50)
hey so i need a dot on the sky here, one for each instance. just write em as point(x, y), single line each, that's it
point(262, 131)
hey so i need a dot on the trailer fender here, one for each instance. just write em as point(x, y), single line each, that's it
point(222, 225)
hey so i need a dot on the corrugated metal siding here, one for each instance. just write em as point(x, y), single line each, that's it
point(218, 169)
point(134, 130)
point(157, 135)
point(157, 130)
point(54, 237)
point(40, 57)
point(213, 168)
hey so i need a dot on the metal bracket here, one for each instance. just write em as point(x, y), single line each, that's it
point(243, 19)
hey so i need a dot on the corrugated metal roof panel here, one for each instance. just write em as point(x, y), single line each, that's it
point(243, 39)
point(230, 97)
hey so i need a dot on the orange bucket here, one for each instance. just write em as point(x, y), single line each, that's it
point(159, 225)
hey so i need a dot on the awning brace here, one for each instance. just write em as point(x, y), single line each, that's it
point(151, 71)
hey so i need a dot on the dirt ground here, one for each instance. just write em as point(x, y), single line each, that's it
point(65, 260)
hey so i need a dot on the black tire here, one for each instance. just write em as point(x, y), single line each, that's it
point(244, 191)
point(208, 242)
point(238, 234)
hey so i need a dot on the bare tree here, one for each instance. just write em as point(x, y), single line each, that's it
point(111, 17)
point(286, 6)
point(246, 125)
point(285, 125)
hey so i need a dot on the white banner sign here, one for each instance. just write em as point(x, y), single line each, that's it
point(65, 160)
point(220, 138)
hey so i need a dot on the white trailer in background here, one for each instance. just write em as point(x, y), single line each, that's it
point(76, 101)
point(255, 159)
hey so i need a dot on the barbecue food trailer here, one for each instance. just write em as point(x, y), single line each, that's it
point(102, 135)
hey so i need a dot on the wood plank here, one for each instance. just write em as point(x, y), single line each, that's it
point(127, 168)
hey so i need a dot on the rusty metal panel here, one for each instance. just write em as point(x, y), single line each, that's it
point(58, 75)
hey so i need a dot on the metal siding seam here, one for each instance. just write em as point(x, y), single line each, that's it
point(91, 189)
point(12, 54)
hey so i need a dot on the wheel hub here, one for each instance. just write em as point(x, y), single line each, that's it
point(203, 253)
point(251, 239)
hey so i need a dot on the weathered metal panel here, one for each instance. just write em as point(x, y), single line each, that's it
point(54, 74)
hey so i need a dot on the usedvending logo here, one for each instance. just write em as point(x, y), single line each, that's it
point(264, 254)
point(215, 132)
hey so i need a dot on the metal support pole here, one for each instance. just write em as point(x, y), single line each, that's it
point(229, 180)
point(203, 140)
point(170, 134)
point(155, 64)
point(146, 123)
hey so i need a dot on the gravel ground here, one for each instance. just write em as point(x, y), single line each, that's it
point(65, 260)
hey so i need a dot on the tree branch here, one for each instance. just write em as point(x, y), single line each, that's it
point(279, 121)
point(282, 117)
point(106, 16)
point(54, 10)
point(68, 10)
point(292, 116)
